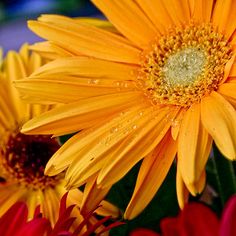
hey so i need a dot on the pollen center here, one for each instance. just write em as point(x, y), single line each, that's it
point(24, 158)
point(184, 65)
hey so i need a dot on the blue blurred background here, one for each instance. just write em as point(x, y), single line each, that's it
point(15, 13)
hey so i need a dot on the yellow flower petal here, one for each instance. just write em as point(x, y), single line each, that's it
point(50, 89)
point(157, 14)
point(228, 91)
point(46, 50)
point(87, 67)
point(98, 154)
point(181, 190)
point(194, 145)
point(93, 196)
point(93, 78)
point(103, 24)
point(178, 10)
point(233, 70)
point(200, 184)
point(6, 118)
point(80, 115)
point(201, 10)
point(219, 119)
point(81, 153)
point(126, 15)
point(50, 205)
point(228, 69)
point(15, 70)
point(16, 194)
point(88, 40)
point(134, 148)
point(175, 125)
point(224, 16)
point(152, 173)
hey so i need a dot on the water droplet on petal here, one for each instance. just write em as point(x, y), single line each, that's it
point(113, 129)
point(93, 81)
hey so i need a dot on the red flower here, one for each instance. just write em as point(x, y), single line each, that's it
point(197, 219)
point(14, 223)
point(228, 222)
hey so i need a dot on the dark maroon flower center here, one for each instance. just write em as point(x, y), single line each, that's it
point(24, 158)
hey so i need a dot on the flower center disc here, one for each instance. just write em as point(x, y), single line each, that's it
point(184, 65)
point(25, 157)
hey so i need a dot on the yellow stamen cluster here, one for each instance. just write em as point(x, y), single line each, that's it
point(184, 65)
point(24, 157)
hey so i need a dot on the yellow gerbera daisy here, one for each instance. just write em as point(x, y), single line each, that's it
point(163, 83)
point(23, 157)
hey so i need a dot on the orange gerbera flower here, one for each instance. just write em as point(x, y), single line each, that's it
point(162, 83)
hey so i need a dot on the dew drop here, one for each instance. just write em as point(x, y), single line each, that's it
point(126, 85)
point(113, 129)
point(108, 141)
point(140, 113)
point(175, 123)
point(93, 81)
point(117, 83)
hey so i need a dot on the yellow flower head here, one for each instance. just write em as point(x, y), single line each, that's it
point(161, 82)
point(23, 157)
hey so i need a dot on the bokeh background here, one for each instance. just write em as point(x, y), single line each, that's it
point(15, 13)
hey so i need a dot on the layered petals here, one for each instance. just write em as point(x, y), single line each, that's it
point(178, 11)
point(224, 16)
point(80, 37)
point(130, 133)
point(157, 13)
point(228, 91)
point(201, 10)
point(89, 149)
point(125, 15)
point(152, 173)
point(195, 143)
point(79, 115)
point(134, 148)
point(93, 196)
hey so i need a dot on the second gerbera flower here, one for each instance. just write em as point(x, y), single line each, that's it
point(23, 157)
point(163, 85)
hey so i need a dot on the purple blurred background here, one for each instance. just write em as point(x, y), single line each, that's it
point(15, 13)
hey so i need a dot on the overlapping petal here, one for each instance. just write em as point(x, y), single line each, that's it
point(195, 143)
point(84, 39)
point(220, 121)
point(152, 173)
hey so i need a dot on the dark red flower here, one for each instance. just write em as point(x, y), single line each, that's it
point(15, 223)
point(197, 219)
